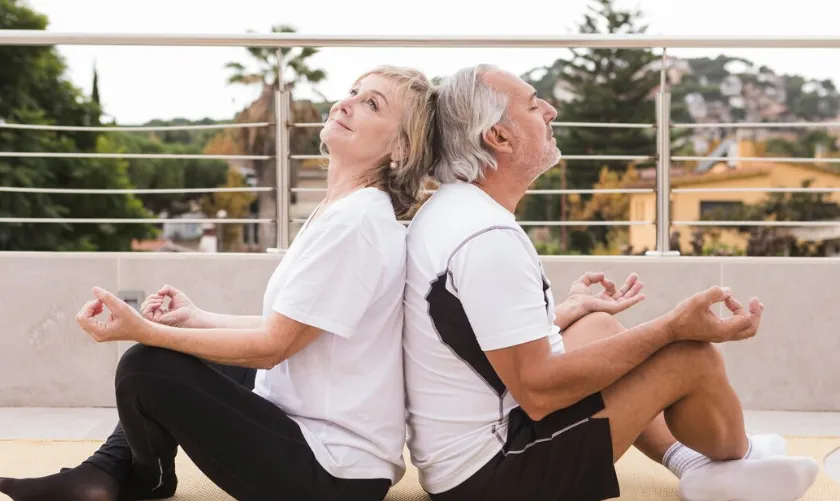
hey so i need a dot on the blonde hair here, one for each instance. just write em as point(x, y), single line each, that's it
point(415, 138)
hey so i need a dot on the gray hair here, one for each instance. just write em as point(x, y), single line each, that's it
point(466, 108)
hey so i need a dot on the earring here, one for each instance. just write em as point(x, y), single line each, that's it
point(394, 164)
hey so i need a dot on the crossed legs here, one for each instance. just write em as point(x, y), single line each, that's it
point(680, 400)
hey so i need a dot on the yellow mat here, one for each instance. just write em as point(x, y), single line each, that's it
point(640, 478)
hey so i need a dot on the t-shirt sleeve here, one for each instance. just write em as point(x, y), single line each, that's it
point(499, 283)
point(334, 280)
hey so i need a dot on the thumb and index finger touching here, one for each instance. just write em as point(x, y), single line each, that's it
point(743, 320)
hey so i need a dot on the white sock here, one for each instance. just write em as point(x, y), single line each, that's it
point(776, 478)
point(681, 459)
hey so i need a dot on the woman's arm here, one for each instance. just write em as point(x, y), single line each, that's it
point(260, 346)
point(210, 320)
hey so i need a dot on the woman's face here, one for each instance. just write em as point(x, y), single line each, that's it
point(362, 127)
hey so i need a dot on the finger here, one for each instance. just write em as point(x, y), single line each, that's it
point(734, 306)
point(168, 290)
point(590, 278)
point(631, 282)
point(152, 302)
point(744, 322)
point(634, 290)
point(714, 295)
point(85, 317)
point(90, 309)
point(756, 310)
point(111, 301)
point(629, 302)
point(609, 286)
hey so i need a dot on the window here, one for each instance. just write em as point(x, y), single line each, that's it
point(708, 207)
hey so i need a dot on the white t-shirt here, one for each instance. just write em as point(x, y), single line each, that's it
point(475, 283)
point(345, 273)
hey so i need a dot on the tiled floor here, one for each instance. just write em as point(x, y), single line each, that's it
point(98, 423)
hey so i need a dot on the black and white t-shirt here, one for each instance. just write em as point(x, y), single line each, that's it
point(475, 283)
point(345, 274)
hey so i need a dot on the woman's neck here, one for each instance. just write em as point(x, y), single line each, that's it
point(341, 181)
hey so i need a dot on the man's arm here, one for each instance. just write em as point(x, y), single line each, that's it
point(542, 382)
point(567, 313)
point(499, 282)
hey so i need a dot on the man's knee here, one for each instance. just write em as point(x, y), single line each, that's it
point(694, 357)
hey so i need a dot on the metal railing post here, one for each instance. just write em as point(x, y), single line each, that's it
point(281, 161)
point(663, 165)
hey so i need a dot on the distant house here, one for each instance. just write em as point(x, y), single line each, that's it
point(691, 206)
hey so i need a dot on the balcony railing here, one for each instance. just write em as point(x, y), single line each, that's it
point(661, 120)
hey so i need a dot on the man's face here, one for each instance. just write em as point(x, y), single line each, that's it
point(531, 135)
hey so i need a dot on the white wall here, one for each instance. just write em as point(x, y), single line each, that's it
point(45, 360)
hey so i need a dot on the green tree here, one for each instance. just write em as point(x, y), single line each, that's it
point(169, 173)
point(603, 85)
point(34, 90)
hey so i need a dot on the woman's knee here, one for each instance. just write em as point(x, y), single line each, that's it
point(142, 359)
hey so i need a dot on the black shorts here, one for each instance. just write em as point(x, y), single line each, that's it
point(567, 456)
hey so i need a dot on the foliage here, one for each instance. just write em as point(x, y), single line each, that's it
point(34, 90)
point(262, 141)
point(236, 205)
point(267, 72)
point(169, 173)
point(604, 85)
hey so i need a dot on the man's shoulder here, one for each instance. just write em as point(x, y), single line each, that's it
point(457, 213)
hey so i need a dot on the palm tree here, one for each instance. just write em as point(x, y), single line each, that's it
point(261, 141)
point(266, 73)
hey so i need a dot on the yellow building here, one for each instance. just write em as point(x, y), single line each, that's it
point(691, 206)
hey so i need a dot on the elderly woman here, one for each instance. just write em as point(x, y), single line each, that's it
point(325, 418)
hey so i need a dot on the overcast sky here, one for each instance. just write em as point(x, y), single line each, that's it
point(137, 84)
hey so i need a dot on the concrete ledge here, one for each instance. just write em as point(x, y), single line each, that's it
point(45, 361)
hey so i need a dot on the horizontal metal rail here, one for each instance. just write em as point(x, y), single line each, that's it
point(584, 223)
point(606, 125)
point(276, 40)
point(756, 125)
point(116, 191)
point(755, 190)
point(757, 223)
point(629, 158)
point(554, 223)
point(528, 192)
point(759, 159)
point(86, 220)
point(130, 128)
point(32, 154)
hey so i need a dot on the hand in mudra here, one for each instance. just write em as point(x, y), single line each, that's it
point(123, 324)
point(695, 320)
point(180, 312)
point(610, 300)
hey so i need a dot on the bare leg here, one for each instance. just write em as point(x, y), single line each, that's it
point(701, 409)
point(656, 438)
point(688, 381)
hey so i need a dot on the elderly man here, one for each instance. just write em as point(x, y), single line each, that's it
point(510, 397)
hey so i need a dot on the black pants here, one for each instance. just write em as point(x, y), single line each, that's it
point(245, 444)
